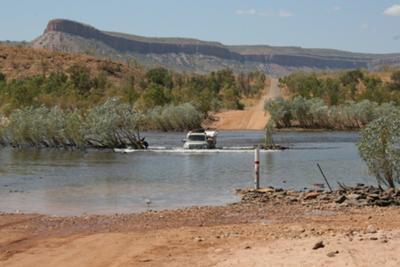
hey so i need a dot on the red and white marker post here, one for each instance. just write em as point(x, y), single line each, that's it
point(257, 168)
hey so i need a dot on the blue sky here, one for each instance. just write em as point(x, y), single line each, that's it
point(354, 25)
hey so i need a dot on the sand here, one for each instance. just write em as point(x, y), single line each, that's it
point(251, 118)
point(233, 235)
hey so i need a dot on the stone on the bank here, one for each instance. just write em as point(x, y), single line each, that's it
point(354, 196)
point(383, 203)
point(390, 191)
point(266, 190)
point(371, 229)
point(332, 254)
point(311, 195)
point(318, 245)
point(373, 196)
point(341, 199)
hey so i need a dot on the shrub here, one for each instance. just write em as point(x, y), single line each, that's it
point(111, 125)
point(280, 111)
point(3, 136)
point(379, 147)
point(175, 118)
point(314, 113)
point(2, 77)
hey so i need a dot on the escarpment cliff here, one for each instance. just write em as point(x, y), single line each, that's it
point(126, 44)
point(191, 54)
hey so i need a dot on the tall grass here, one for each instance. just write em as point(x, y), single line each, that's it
point(314, 113)
point(110, 125)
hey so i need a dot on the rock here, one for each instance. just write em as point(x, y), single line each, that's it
point(383, 203)
point(354, 196)
point(325, 198)
point(373, 196)
point(332, 253)
point(390, 191)
point(293, 199)
point(318, 245)
point(362, 202)
point(247, 247)
point(311, 195)
point(266, 190)
point(341, 199)
point(385, 197)
point(371, 229)
point(198, 239)
point(144, 260)
point(373, 238)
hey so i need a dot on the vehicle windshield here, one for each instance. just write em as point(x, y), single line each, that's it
point(197, 138)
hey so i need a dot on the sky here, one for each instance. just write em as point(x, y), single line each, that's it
point(354, 25)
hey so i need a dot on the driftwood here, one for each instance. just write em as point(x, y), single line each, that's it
point(343, 186)
point(323, 175)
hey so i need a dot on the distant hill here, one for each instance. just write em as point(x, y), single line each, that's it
point(193, 55)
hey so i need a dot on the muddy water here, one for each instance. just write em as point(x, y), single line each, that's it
point(65, 183)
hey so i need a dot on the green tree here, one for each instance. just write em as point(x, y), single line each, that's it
point(331, 87)
point(80, 78)
point(160, 76)
point(350, 80)
point(129, 90)
point(57, 82)
point(2, 77)
point(395, 80)
point(154, 96)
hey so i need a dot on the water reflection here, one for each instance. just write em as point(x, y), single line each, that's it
point(73, 182)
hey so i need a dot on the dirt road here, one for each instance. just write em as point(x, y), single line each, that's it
point(235, 235)
point(251, 118)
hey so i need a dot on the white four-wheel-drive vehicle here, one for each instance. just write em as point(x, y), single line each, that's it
point(200, 139)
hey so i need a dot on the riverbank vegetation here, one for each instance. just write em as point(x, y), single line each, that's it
point(110, 125)
point(98, 103)
point(337, 88)
point(379, 147)
point(344, 101)
point(79, 88)
point(314, 113)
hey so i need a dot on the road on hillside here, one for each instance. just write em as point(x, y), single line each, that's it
point(251, 118)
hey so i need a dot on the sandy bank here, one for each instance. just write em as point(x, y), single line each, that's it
point(252, 234)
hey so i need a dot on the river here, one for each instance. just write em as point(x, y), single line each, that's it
point(59, 182)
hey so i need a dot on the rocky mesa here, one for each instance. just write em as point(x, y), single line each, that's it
point(196, 55)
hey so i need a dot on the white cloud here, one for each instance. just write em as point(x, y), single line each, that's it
point(365, 26)
point(285, 14)
point(254, 12)
point(336, 8)
point(392, 11)
point(241, 12)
